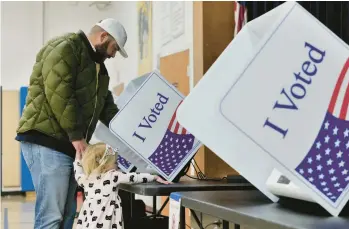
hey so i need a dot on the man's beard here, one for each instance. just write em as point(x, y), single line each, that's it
point(101, 51)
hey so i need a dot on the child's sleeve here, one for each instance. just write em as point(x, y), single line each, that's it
point(80, 176)
point(129, 178)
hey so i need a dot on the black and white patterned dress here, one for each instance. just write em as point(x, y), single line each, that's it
point(102, 206)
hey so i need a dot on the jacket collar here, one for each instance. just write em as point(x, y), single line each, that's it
point(88, 44)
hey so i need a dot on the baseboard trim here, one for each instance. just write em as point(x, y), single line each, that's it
point(12, 193)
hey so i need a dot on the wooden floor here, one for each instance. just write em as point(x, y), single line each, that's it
point(20, 211)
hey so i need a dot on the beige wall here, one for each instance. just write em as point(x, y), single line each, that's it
point(10, 147)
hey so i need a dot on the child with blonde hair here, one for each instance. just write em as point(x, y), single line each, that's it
point(97, 174)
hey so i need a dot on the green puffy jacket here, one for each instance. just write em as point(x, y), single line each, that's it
point(66, 98)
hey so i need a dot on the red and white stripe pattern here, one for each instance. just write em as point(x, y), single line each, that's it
point(340, 98)
point(174, 125)
point(240, 14)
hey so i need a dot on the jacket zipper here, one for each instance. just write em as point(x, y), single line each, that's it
point(94, 109)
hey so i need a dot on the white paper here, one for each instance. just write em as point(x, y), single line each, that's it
point(165, 22)
point(282, 186)
point(174, 212)
point(177, 18)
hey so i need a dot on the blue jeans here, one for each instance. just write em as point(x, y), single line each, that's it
point(55, 186)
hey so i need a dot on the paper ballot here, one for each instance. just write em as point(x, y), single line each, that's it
point(279, 99)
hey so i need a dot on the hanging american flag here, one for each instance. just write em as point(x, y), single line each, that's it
point(175, 145)
point(326, 166)
point(240, 13)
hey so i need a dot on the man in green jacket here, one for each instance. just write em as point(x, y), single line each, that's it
point(67, 95)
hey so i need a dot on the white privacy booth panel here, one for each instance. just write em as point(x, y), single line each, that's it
point(278, 99)
point(147, 125)
point(128, 158)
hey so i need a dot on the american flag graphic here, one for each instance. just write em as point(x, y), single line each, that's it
point(240, 14)
point(123, 162)
point(326, 166)
point(174, 147)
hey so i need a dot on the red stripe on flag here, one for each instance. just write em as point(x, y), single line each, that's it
point(241, 17)
point(174, 116)
point(337, 88)
point(176, 128)
point(184, 131)
point(345, 103)
point(344, 107)
point(172, 120)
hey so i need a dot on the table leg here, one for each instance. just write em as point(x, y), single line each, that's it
point(133, 197)
point(182, 218)
point(154, 206)
point(196, 218)
point(163, 206)
point(226, 225)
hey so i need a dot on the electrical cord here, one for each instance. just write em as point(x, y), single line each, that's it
point(152, 216)
point(207, 179)
point(200, 175)
point(197, 165)
point(217, 223)
point(211, 224)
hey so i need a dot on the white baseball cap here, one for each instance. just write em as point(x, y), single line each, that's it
point(117, 31)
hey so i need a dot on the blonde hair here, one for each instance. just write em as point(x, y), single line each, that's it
point(92, 156)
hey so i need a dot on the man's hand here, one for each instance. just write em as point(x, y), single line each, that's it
point(78, 156)
point(80, 146)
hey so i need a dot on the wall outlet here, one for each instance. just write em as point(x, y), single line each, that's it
point(188, 70)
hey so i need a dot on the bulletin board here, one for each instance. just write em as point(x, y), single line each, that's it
point(211, 18)
point(175, 68)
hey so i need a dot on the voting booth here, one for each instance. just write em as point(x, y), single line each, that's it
point(279, 100)
point(127, 160)
point(148, 125)
point(146, 131)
